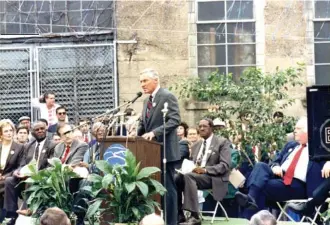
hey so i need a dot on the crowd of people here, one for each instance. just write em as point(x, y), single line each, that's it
point(291, 174)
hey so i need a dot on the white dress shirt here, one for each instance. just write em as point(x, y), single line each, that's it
point(5, 151)
point(302, 165)
point(208, 143)
point(41, 146)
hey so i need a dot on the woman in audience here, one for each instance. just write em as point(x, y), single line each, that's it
point(11, 158)
point(183, 143)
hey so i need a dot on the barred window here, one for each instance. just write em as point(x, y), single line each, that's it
point(226, 37)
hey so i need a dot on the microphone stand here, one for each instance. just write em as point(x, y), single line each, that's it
point(164, 111)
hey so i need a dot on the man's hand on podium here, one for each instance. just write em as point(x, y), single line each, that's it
point(149, 136)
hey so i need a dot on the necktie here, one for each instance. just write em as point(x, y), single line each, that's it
point(149, 106)
point(36, 152)
point(287, 179)
point(199, 161)
point(66, 153)
point(86, 138)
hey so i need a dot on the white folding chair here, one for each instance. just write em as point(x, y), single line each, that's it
point(214, 212)
point(311, 220)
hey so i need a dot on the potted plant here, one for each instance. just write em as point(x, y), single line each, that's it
point(50, 188)
point(125, 191)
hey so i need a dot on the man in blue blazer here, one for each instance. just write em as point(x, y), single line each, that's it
point(151, 128)
point(284, 178)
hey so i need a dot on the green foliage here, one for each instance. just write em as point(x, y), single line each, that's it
point(125, 191)
point(50, 188)
point(257, 95)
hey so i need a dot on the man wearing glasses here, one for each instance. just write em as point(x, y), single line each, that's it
point(70, 151)
point(61, 118)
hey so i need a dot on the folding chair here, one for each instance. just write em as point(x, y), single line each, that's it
point(312, 220)
point(214, 212)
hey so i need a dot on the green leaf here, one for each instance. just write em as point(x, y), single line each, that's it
point(130, 187)
point(94, 178)
point(107, 179)
point(104, 166)
point(54, 161)
point(146, 172)
point(143, 188)
point(158, 186)
point(93, 208)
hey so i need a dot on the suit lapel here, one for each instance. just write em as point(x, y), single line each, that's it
point(196, 150)
point(11, 152)
point(73, 149)
point(209, 151)
point(144, 111)
point(43, 151)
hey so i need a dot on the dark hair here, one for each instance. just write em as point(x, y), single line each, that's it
point(43, 120)
point(54, 216)
point(47, 93)
point(185, 128)
point(278, 114)
point(60, 107)
point(22, 128)
point(209, 121)
point(83, 120)
point(129, 111)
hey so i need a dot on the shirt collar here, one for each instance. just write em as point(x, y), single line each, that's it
point(155, 92)
point(209, 139)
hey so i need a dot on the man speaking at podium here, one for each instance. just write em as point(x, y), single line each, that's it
point(151, 128)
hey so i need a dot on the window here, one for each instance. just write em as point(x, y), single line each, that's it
point(322, 41)
point(225, 37)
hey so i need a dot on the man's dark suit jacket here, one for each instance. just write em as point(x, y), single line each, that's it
point(46, 153)
point(218, 164)
point(155, 122)
point(76, 154)
point(313, 176)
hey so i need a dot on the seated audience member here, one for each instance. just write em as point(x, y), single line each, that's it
point(183, 143)
point(56, 138)
point(77, 134)
point(54, 216)
point(152, 219)
point(218, 125)
point(12, 156)
point(84, 128)
point(22, 135)
point(263, 217)
point(212, 157)
point(40, 149)
point(70, 150)
point(279, 181)
point(61, 119)
point(98, 131)
point(24, 121)
point(192, 135)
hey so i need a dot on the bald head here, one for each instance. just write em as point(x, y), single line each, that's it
point(152, 219)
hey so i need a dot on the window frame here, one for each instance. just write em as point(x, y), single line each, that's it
point(226, 21)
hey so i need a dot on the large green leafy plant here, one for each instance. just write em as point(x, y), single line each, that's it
point(125, 191)
point(256, 94)
point(50, 188)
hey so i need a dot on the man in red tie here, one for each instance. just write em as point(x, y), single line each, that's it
point(284, 178)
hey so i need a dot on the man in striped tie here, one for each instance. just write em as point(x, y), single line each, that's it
point(284, 178)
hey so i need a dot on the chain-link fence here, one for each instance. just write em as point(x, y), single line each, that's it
point(82, 78)
point(15, 83)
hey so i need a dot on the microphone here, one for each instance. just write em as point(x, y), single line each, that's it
point(165, 110)
point(138, 95)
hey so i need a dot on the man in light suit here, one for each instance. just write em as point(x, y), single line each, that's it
point(151, 128)
point(281, 180)
point(213, 160)
point(41, 149)
point(70, 151)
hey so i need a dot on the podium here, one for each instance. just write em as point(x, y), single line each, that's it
point(146, 152)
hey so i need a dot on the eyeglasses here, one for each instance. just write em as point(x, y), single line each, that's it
point(61, 113)
point(67, 132)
